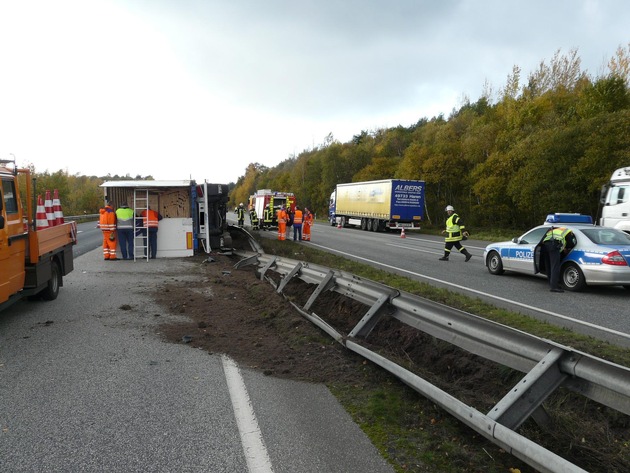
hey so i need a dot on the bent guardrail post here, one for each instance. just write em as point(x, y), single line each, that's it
point(530, 392)
point(371, 318)
point(265, 268)
point(521, 447)
point(325, 284)
point(289, 276)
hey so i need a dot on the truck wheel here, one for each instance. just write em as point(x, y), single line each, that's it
point(52, 290)
point(364, 224)
point(374, 225)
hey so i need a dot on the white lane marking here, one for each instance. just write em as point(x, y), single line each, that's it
point(251, 437)
point(492, 296)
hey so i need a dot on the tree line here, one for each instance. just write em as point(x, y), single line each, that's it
point(543, 144)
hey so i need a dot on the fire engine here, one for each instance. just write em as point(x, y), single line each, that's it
point(275, 200)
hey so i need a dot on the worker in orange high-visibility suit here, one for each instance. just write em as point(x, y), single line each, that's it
point(150, 219)
point(282, 223)
point(107, 224)
point(308, 222)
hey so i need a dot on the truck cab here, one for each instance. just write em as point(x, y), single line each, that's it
point(615, 201)
point(13, 236)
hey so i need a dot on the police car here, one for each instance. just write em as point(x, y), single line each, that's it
point(597, 256)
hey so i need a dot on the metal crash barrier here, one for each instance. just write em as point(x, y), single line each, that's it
point(547, 365)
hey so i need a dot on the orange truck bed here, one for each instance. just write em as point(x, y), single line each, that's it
point(43, 242)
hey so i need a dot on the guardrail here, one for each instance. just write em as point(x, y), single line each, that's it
point(547, 365)
point(82, 218)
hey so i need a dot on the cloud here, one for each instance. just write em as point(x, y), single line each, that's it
point(205, 87)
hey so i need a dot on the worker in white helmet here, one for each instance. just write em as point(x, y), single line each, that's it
point(240, 213)
point(455, 233)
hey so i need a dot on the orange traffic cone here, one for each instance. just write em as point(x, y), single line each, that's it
point(57, 208)
point(50, 214)
point(402, 234)
point(41, 222)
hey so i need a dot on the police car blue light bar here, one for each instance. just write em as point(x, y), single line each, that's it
point(569, 218)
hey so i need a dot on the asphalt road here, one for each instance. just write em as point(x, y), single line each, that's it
point(88, 386)
point(601, 312)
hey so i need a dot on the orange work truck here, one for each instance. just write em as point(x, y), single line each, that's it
point(32, 261)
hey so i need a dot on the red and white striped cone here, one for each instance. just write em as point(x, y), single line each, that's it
point(402, 234)
point(57, 208)
point(50, 214)
point(41, 221)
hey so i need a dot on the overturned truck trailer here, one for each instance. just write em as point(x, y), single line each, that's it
point(193, 215)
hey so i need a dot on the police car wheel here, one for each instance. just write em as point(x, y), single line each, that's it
point(573, 278)
point(495, 264)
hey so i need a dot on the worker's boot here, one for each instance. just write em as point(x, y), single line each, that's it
point(444, 258)
point(468, 255)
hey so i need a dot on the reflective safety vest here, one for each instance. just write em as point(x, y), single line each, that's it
point(253, 216)
point(454, 228)
point(559, 235)
point(297, 217)
point(107, 219)
point(152, 221)
point(241, 213)
point(268, 215)
point(124, 217)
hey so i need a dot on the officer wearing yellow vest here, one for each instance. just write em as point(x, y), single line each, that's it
point(556, 242)
point(455, 233)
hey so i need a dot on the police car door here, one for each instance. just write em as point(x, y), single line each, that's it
point(521, 255)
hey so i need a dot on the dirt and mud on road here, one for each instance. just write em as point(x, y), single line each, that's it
point(232, 311)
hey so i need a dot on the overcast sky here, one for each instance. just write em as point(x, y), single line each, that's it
point(199, 89)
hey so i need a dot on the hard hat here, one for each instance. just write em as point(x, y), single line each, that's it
point(449, 207)
point(241, 204)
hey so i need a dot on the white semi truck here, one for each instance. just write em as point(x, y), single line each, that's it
point(615, 200)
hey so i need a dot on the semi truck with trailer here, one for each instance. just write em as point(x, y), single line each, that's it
point(388, 204)
point(615, 201)
point(33, 260)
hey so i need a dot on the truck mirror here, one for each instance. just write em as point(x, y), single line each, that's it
point(602, 194)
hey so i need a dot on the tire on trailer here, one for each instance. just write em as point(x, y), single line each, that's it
point(364, 223)
point(51, 291)
point(375, 225)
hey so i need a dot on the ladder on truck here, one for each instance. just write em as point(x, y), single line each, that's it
point(140, 233)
